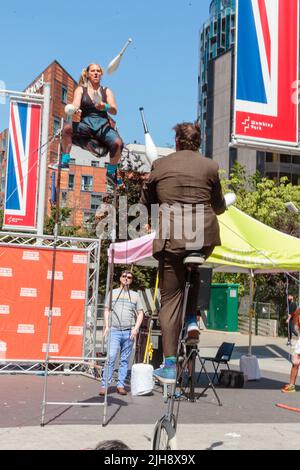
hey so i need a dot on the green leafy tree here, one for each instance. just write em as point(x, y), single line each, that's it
point(143, 277)
point(264, 200)
point(65, 229)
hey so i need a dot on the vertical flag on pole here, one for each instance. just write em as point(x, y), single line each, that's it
point(266, 88)
point(22, 166)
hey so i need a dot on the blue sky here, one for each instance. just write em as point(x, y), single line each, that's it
point(159, 70)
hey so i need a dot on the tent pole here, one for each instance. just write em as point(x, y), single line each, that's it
point(251, 310)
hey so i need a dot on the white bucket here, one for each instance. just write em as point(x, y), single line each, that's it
point(142, 382)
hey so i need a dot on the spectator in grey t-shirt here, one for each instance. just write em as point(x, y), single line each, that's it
point(126, 318)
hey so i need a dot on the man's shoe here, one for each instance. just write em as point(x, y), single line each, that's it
point(121, 391)
point(288, 388)
point(102, 391)
point(289, 343)
point(166, 375)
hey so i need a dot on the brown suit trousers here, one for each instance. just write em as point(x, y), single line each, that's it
point(172, 277)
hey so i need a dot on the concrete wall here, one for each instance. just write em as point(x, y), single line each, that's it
point(247, 158)
point(221, 127)
point(220, 117)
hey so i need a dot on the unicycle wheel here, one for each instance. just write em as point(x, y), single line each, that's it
point(164, 437)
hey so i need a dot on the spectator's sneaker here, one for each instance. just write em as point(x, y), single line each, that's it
point(192, 335)
point(166, 375)
point(288, 388)
point(289, 343)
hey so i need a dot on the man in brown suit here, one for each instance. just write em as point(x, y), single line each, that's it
point(186, 187)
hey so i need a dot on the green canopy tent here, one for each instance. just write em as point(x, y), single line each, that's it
point(248, 244)
point(252, 247)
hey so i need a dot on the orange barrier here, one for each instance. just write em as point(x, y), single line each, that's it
point(25, 282)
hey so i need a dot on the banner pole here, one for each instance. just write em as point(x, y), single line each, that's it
point(43, 160)
point(52, 287)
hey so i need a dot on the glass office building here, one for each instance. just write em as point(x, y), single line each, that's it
point(216, 37)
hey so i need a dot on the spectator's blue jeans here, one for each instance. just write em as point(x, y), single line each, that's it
point(119, 342)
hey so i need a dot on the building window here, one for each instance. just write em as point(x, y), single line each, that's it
point(95, 164)
point(285, 158)
point(232, 157)
point(86, 183)
point(56, 125)
point(71, 182)
point(272, 157)
point(64, 198)
point(296, 180)
point(260, 162)
point(72, 161)
point(296, 159)
point(3, 184)
point(64, 94)
point(96, 200)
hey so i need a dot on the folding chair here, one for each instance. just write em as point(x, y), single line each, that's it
point(223, 356)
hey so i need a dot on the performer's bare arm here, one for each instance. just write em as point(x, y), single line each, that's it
point(110, 99)
point(77, 98)
point(112, 102)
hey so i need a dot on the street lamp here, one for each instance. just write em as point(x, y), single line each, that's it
point(292, 208)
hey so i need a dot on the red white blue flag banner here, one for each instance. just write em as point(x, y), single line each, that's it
point(266, 78)
point(22, 166)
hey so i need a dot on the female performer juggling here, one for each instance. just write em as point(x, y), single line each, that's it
point(93, 103)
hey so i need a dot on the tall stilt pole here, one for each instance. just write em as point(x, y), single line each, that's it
point(109, 287)
point(56, 234)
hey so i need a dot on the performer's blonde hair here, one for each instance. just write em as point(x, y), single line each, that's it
point(84, 74)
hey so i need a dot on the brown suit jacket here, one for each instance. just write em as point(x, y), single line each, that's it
point(186, 179)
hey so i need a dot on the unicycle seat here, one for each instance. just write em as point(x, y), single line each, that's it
point(194, 258)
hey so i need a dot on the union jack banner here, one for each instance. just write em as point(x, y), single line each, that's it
point(266, 78)
point(22, 166)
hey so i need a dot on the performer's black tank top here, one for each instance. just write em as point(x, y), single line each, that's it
point(87, 106)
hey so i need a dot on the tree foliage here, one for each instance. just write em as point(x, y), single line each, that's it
point(264, 200)
point(143, 277)
point(65, 230)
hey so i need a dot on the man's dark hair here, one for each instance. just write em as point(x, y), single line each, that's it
point(111, 445)
point(188, 136)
